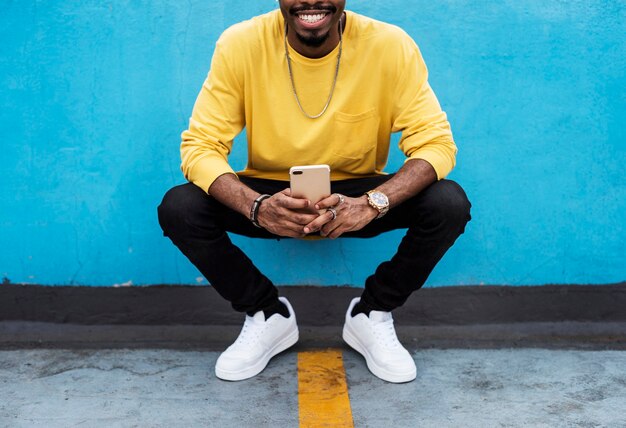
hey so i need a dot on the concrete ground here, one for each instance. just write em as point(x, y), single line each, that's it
point(521, 387)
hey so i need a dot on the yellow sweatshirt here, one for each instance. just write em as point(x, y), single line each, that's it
point(381, 88)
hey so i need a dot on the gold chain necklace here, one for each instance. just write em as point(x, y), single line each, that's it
point(332, 88)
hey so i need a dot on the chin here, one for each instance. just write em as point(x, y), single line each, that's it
point(313, 41)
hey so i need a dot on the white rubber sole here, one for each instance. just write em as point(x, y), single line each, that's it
point(378, 371)
point(253, 370)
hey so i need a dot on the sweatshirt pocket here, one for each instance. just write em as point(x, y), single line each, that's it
point(356, 137)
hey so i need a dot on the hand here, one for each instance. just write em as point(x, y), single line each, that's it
point(352, 214)
point(280, 215)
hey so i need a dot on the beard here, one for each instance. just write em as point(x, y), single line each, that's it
point(313, 41)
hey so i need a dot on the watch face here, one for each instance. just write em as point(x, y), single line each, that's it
point(379, 199)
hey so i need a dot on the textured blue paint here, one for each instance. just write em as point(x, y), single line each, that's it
point(95, 94)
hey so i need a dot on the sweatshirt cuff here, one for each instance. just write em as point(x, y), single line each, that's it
point(206, 170)
point(441, 163)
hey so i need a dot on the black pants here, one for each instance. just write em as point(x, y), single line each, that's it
point(197, 224)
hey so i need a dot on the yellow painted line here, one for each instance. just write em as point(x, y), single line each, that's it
point(322, 390)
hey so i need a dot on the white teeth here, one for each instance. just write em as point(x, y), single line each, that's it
point(310, 19)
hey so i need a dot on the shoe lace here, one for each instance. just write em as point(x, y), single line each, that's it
point(385, 333)
point(250, 333)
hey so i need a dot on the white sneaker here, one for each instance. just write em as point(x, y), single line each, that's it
point(258, 342)
point(375, 338)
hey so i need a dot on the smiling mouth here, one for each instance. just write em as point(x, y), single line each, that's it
point(312, 17)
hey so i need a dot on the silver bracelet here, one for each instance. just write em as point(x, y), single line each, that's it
point(254, 210)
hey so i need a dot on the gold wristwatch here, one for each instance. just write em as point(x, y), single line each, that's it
point(378, 200)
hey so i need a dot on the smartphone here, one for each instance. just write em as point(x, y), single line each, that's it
point(310, 182)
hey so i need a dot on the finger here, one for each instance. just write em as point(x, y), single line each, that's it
point(294, 234)
point(317, 224)
point(328, 228)
point(296, 216)
point(284, 219)
point(330, 201)
point(298, 219)
point(336, 233)
point(304, 219)
point(297, 233)
point(293, 230)
point(293, 203)
point(295, 220)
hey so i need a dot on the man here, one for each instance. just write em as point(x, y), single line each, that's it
point(315, 84)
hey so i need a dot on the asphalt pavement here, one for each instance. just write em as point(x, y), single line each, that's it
point(510, 387)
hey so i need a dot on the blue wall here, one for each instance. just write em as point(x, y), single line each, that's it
point(94, 95)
